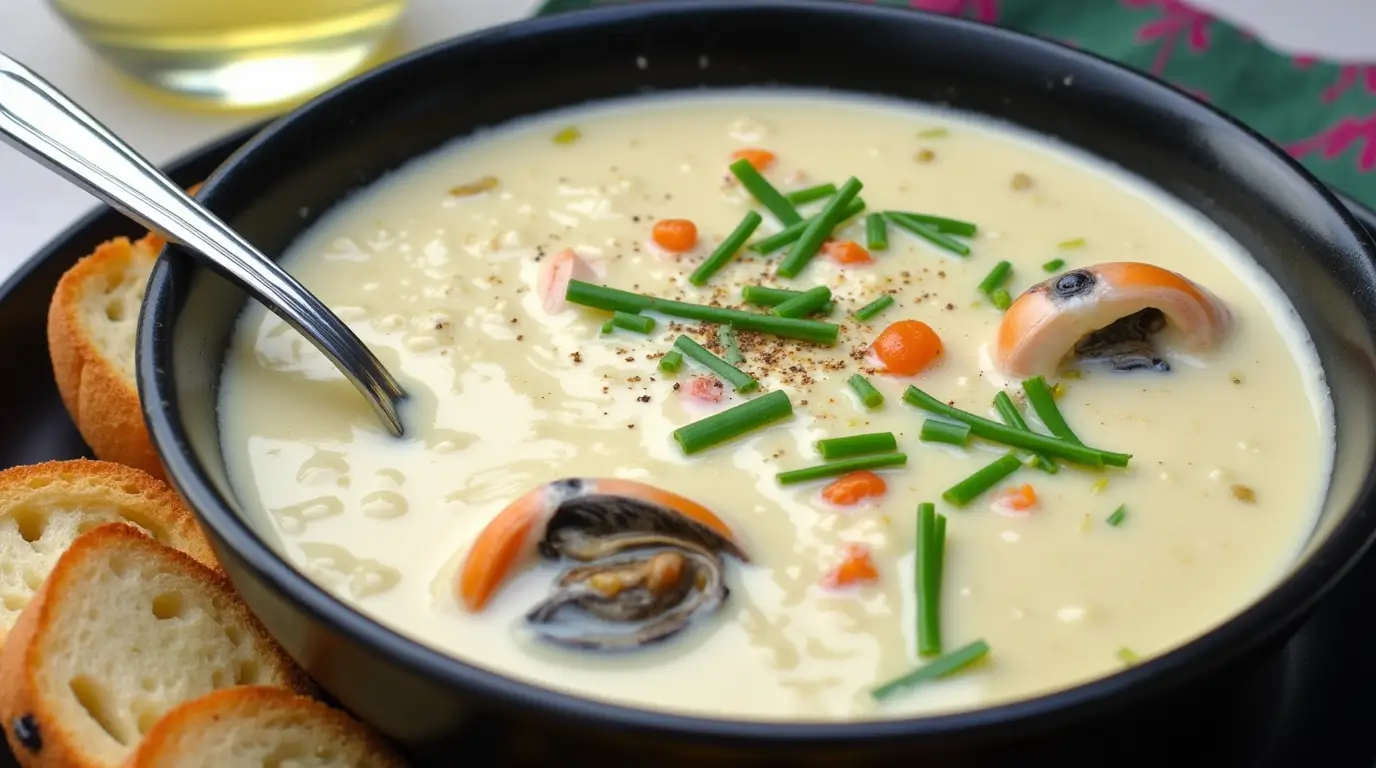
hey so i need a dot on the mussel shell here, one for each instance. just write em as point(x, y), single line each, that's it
point(585, 527)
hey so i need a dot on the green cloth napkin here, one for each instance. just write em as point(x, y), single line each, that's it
point(1322, 112)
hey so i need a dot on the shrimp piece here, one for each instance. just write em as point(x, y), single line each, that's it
point(708, 389)
point(553, 281)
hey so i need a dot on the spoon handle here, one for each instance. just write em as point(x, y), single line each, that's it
point(39, 121)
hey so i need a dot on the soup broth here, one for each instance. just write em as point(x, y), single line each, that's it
point(447, 268)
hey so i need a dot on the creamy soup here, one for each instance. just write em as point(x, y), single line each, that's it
point(455, 270)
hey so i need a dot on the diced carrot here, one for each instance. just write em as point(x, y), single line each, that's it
point(907, 347)
point(552, 283)
point(706, 388)
point(1018, 499)
point(677, 235)
point(847, 252)
point(857, 567)
point(854, 487)
point(760, 158)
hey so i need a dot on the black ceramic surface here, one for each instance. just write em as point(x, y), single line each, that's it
point(440, 707)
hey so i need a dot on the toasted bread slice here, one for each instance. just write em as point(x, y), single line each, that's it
point(92, 326)
point(124, 630)
point(255, 726)
point(44, 507)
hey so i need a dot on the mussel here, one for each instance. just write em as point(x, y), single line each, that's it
point(648, 562)
point(1107, 313)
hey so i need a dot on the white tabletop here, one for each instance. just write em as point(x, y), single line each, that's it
point(35, 205)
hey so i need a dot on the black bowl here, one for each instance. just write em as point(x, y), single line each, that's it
point(311, 160)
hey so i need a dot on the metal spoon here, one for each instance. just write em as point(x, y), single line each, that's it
point(42, 123)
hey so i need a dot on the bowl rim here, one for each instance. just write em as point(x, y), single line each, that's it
point(1283, 604)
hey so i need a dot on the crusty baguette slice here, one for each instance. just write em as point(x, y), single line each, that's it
point(44, 507)
point(92, 326)
point(123, 630)
point(256, 726)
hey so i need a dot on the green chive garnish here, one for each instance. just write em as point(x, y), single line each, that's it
point(612, 299)
point(996, 277)
point(869, 396)
point(844, 466)
point(1000, 299)
point(727, 250)
point(942, 666)
point(951, 433)
point(568, 135)
point(1015, 438)
point(1126, 656)
point(928, 233)
point(857, 445)
point(1009, 413)
point(671, 361)
point(738, 379)
point(932, 133)
point(867, 312)
point(633, 322)
point(819, 229)
point(1054, 265)
point(931, 545)
point(804, 196)
point(730, 345)
point(1070, 245)
point(791, 233)
point(876, 232)
point(608, 327)
point(1040, 398)
point(1119, 515)
point(761, 296)
point(734, 422)
point(764, 192)
point(805, 303)
point(939, 223)
point(970, 488)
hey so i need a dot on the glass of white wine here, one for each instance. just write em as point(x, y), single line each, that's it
point(235, 53)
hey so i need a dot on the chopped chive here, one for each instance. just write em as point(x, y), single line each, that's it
point(1072, 244)
point(740, 380)
point(671, 361)
point(1043, 401)
point(932, 133)
point(938, 431)
point(1000, 299)
point(844, 466)
point(608, 327)
point(727, 250)
point(764, 192)
point(730, 346)
point(1119, 515)
point(942, 666)
point(761, 296)
point(928, 233)
point(869, 396)
point(568, 135)
point(970, 488)
point(876, 232)
point(633, 322)
point(805, 303)
point(791, 233)
point(996, 277)
point(867, 312)
point(857, 445)
point(1009, 413)
point(1016, 438)
point(611, 299)
point(931, 541)
point(940, 223)
point(804, 196)
point(819, 229)
point(1054, 265)
point(734, 422)
point(1126, 656)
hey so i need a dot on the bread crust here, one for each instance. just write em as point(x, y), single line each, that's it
point(100, 399)
point(161, 745)
point(23, 662)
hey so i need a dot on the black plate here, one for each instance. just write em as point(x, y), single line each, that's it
point(1311, 702)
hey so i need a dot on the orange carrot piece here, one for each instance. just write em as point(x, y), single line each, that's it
point(759, 158)
point(907, 347)
point(847, 252)
point(854, 487)
point(677, 235)
point(857, 567)
point(1019, 499)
